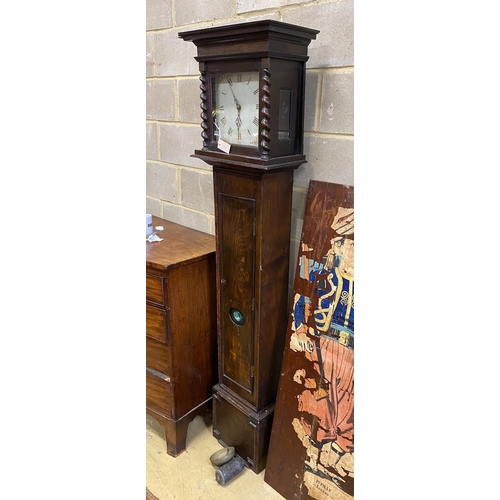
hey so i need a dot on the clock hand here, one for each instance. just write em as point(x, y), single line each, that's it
point(238, 106)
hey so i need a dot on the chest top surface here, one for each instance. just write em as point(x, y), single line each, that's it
point(180, 245)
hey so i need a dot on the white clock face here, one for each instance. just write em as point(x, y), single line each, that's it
point(236, 108)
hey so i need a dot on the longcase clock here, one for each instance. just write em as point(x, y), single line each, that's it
point(252, 101)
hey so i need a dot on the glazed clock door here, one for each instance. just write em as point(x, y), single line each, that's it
point(236, 110)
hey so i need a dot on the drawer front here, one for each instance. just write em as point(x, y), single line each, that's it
point(157, 356)
point(154, 289)
point(158, 392)
point(156, 323)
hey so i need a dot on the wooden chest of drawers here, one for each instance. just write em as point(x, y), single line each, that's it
point(181, 329)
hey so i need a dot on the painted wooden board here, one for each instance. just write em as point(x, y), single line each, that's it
point(311, 451)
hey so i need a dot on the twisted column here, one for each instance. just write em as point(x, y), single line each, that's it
point(203, 106)
point(266, 115)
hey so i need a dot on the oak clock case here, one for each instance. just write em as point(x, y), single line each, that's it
point(252, 106)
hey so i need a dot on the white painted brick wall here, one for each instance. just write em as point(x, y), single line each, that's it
point(180, 188)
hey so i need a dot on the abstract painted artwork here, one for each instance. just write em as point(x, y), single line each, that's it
point(311, 452)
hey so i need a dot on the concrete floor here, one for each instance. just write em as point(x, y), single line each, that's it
point(191, 475)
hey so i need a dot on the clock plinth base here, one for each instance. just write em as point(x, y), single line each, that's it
point(236, 424)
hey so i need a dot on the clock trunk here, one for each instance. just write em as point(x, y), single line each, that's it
point(252, 241)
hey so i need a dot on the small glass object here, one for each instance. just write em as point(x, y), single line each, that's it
point(237, 317)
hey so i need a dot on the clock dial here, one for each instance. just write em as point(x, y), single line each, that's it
point(236, 107)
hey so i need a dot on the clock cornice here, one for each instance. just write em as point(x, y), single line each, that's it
point(258, 39)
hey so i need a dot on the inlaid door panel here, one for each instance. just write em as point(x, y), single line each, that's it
point(237, 289)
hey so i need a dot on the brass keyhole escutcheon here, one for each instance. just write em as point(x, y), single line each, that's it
point(237, 317)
